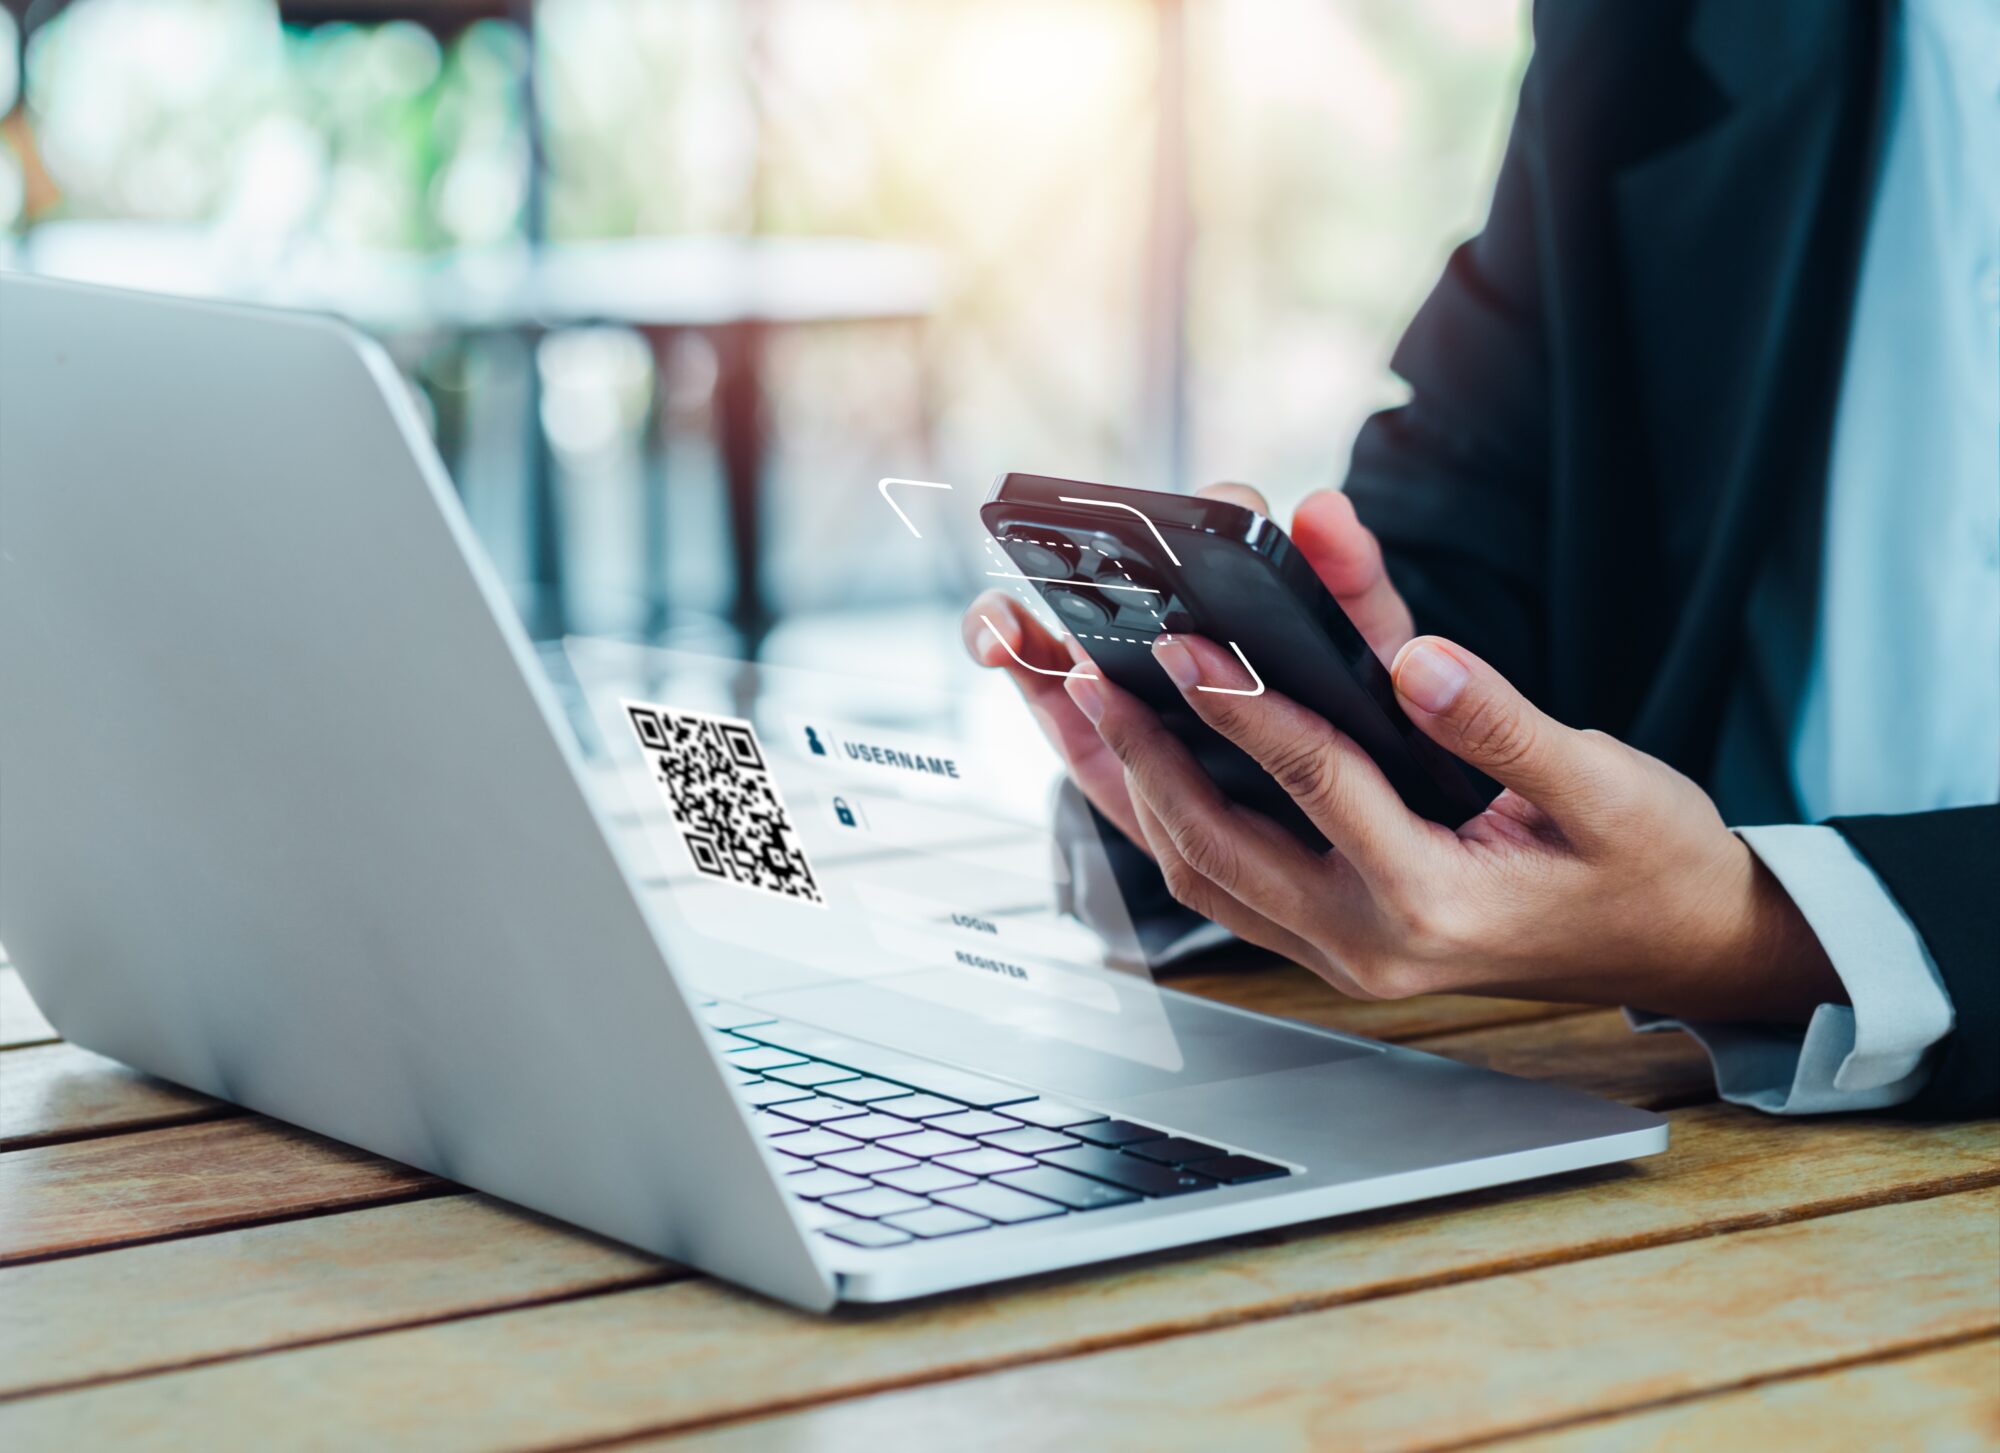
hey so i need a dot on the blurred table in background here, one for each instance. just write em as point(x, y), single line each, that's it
point(734, 290)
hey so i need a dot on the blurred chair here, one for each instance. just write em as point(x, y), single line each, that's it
point(736, 291)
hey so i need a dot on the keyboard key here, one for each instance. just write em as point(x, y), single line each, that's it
point(917, 1107)
point(1128, 1171)
point(1077, 1192)
point(1116, 1132)
point(817, 1143)
point(870, 1060)
point(960, 1085)
point(867, 1233)
point(1235, 1170)
point(763, 1057)
point(923, 1180)
point(771, 1126)
point(865, 1091)
point(745, 1077)
point(817, 1110)
point(791, 1165)
point(1052, 1114)
point(732, 1016)
point(974, 1122)
point(770, 1092)
point(1000, 1203)
point(927, 1143)
point(869, 1160)
point(954, 1084)
point(1029, 1140)
point(937, 1221)
point(877, 1127)
point(818, 1043)
point(1174, 1150)
point(877, 1201)
point(986, 1162)
point(809, 1074)
point(817, 1184)
point(818, 1217)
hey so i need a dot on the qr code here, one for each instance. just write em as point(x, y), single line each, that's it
point(712, 772)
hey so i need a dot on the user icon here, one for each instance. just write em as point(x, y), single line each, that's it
point(813, 741)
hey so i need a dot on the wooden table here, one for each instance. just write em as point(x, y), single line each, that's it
point(174, 1272)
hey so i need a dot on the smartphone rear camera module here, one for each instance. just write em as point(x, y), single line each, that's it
point(1134, 582)
point(1080, 609)
point(1131, 595)
point(1050, 557)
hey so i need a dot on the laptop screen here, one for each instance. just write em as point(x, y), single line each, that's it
point(903, 835)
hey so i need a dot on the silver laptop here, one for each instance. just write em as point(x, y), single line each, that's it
point(291, 813)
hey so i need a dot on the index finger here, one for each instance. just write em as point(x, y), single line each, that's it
point(999, 633)
point(1335, 783)
point(1239, 850)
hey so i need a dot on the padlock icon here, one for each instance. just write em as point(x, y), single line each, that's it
point(842, 811)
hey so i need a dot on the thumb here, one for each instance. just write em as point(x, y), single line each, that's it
point(1470, 710)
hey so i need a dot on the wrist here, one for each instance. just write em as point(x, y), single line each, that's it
point(1771, 965)
point(1751, 956)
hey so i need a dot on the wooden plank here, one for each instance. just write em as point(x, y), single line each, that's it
point(698, 1350)
point(20, 1021)
point(1595, 1051)
point(59, 1091)
point(54, 1092)
point(1946, 1402)
point(1481, 1360)
point(58, 1291)
point(188, 1301)
point(1273, 987)
point(109, 1192)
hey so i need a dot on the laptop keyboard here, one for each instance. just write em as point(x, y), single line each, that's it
point(884, 1150)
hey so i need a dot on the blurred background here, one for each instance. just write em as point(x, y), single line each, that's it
point(675, 281)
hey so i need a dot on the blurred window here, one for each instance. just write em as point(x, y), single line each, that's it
point(1336, 150)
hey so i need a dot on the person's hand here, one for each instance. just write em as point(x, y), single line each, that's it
point(1600, 874)
point(1340, 548)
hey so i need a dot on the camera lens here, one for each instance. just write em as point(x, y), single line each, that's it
point(1080, 610)
point(1052, 558)
point(1131, 594)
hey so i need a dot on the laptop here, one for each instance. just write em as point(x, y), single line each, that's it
point(291, 813)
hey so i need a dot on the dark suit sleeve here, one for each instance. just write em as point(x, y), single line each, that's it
point(1943, 868)
point(1454, 482)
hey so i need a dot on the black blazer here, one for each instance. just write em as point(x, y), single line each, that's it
point(1623, 392)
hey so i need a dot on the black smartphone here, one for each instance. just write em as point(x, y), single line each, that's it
point(1120, 566)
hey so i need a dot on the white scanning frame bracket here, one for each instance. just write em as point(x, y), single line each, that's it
point(882, 488)
point(1258, 690)
point(1076, 670)
point(1112, 504)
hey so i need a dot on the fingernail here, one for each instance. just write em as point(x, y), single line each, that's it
point(1430, 676)
point(1089, 700)
point(1177, 661)
point(983, 644)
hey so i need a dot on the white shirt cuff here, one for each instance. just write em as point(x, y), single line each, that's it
point(1866, 1057)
